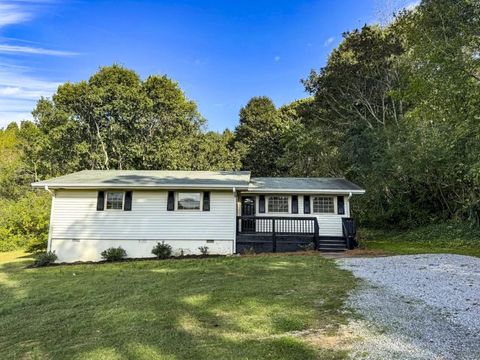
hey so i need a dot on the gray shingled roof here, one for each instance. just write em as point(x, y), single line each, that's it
point(149, 179)
point(196, 179)
point(259, 184)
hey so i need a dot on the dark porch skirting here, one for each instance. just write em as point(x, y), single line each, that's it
point(263, 242)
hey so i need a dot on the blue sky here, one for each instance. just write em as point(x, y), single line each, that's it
point(221, 52)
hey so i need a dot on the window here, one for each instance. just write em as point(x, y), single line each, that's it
point(278, 204)
point(114, 200)
point(188, 201)
point(323, 204)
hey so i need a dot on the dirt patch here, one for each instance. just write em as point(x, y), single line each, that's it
point(338, 340)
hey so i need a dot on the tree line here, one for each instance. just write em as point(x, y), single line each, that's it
point(396, 109)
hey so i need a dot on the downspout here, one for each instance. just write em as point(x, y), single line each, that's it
point(234, 245)
point(349, 196)
point(50, 226)
point(350, 246)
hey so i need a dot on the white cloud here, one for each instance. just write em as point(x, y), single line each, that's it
point(13, 14)
point(19, 87)
point(276, 58)
point(16, 49)
point(19, 92)
point(329, 41)
point(8, 117)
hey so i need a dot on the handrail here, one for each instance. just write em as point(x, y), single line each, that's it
point(277, 224)
point(349, 234)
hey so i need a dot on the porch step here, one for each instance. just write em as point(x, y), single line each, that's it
point(332, 244)
point(332, 241)
point(332, 249)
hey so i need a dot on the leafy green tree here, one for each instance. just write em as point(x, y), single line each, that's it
point(24, 222)
point(443, 64)
point(10, 162)
point(117, 121)
point(259, 135)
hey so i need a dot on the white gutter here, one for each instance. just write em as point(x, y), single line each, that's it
point(306, 191)
point(136, 187)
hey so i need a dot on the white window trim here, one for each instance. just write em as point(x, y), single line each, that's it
point(106, 198)
point(289, 200)
point(189, 210)
point(324, 213)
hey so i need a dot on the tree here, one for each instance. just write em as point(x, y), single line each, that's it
point(258, 134)
point(443, 64)
point(117, 121)
point(10, 163)
point(309, 149)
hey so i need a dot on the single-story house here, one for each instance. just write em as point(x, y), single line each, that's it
point(227, 211)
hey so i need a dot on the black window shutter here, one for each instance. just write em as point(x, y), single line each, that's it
point(341, 205)
point(128, 201)
point(306, 204)
point(171, 201)
point(294, 204)
point(100, 200)
point(261, 204)
point(206, 201)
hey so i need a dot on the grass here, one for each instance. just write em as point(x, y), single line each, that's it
point(216, 308)
point(439, 238)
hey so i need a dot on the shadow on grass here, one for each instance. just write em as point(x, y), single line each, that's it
point(224, 308)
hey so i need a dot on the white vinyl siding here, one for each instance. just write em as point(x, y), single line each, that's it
point(75, 217)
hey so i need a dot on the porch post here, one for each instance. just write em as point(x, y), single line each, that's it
point(274, 237)
point(316, 235)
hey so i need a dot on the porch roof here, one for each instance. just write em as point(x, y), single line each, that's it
point(303, 185)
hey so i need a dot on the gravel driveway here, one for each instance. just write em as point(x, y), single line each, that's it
point(416, 307)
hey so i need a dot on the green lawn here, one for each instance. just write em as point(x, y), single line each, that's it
point(216, 308)
point(439, 238)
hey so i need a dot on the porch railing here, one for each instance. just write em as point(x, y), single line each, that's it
point(350, 232)
point(277, 225)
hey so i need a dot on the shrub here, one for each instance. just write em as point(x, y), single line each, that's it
point(113, 254)
point(203, 250)
point(24, 221)
point(46, 258)
point(162, 250)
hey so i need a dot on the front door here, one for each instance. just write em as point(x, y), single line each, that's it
point(248, 209)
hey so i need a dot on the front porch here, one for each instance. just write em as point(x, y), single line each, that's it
point(286, 234)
